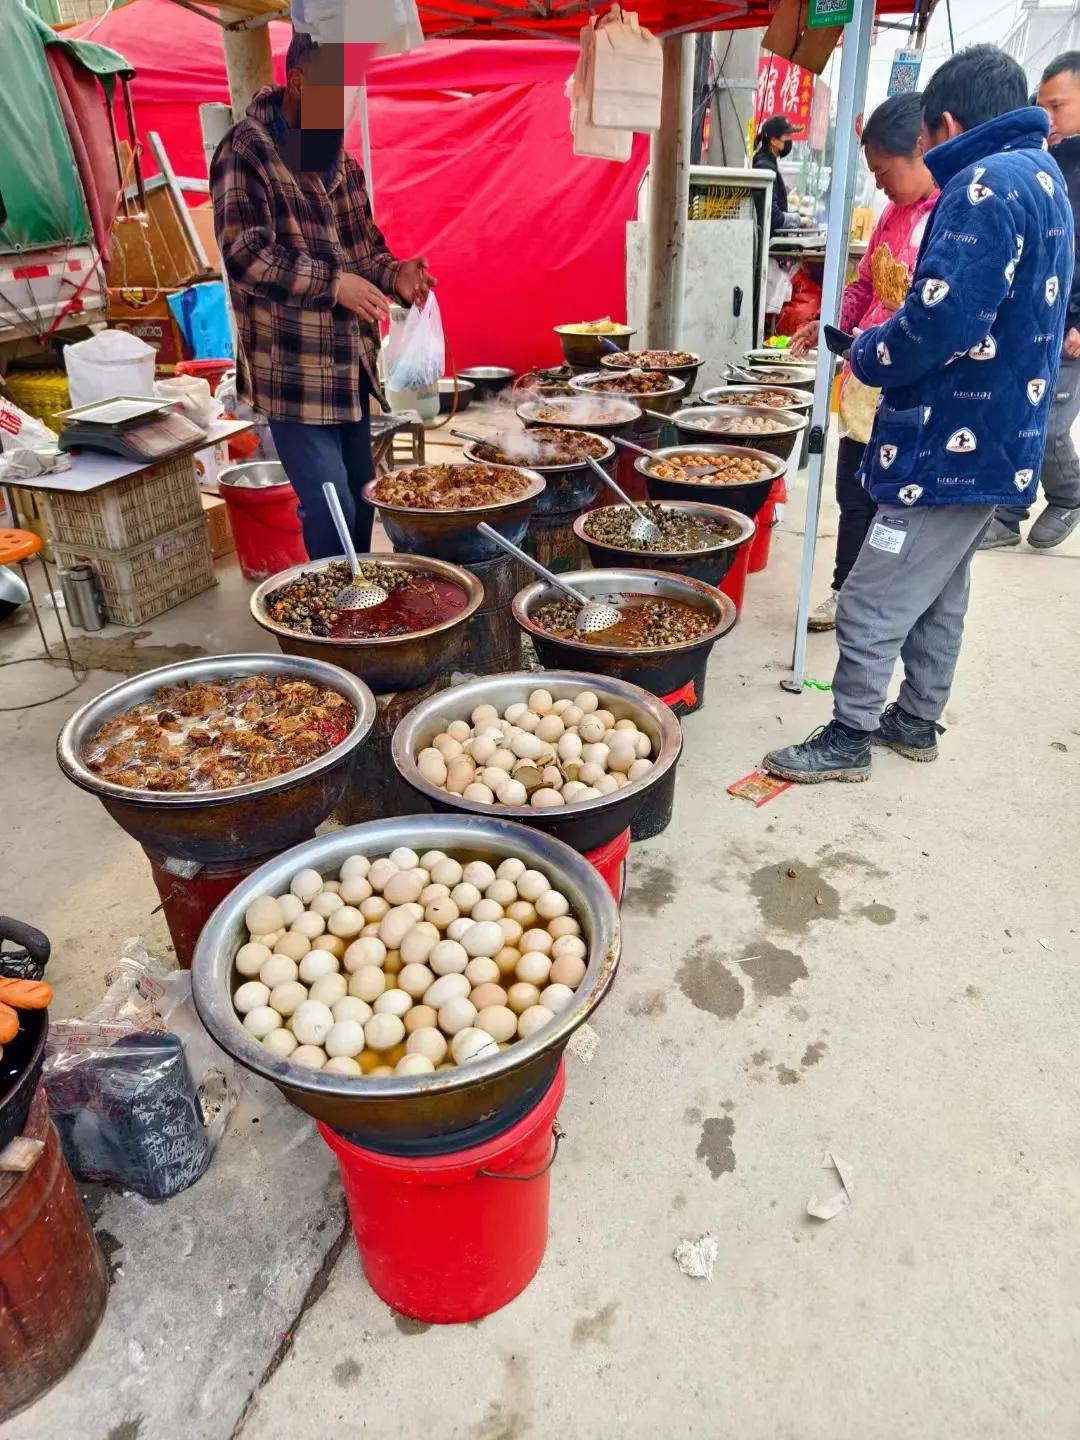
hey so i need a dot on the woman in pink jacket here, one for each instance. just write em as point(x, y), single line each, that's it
point(893, 149)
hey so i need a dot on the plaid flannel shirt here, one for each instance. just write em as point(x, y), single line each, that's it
point(285, 240)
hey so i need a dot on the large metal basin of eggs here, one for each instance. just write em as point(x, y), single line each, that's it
point(385, 662)
point(216, 825)
point(586, 826)
point(661, 671)
point(402, 1108)
point(452, 534)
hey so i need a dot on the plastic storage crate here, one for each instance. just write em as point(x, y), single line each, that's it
point(143, 507)
point(41, 393)
point(147, 580)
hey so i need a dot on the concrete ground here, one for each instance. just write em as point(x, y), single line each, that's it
point(888, 971)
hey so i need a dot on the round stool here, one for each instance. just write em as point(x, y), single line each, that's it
point(16, 547)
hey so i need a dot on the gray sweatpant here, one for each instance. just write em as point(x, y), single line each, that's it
point(1060, 475)
point(906, 596)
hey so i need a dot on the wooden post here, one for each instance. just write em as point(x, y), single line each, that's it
point(669, 197)
point(249, 62)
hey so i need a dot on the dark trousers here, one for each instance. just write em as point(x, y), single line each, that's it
point(1060, 477)
point(313, 454)
point(857, 509)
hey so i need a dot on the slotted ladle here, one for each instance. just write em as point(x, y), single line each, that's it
point(643, 528)
point(360, 594)
point(594, 615)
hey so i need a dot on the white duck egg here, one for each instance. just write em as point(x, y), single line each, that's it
point(415, 979)
point(499, 1021)
point(510, 869)
point(448, 957)
point(459, 776)
point(405, 858)
point(590, 792)
point(447, 746)
point(483, 996)
point(281, 1042)
point(483, 938)
point(596, 755)
point(418, 944)
point(278, 970)
point(607, 718)
point(343, 1065)
point(291, 906)
point(432, 766)
point(482, 748)
point(478, 873)
point(374, 909)
point(503, 759)
point(447, 872)
point(550, 729)
point(512, 929)
point(568, 945)
point(534, 968)
point(481, 971)
point(546, 799)
point(265, 914)
point(350, 1008)
point(333, 943)
point(564, 925)
point(572, 790)
point(393, 1002)
point(311, 1022)
point(621, 756)
point(367, 984)
point(261, 1020)
point(292, 946)
point(531, 885)
point(591, 730)
point(432, 857)
point(305, 885)
point(395, 925)
point(552, 904)
point(478, 794)
point(485, 715)
point(250, 958)
point(606, 785)
point(309, 925)
point(569, 748)
point(329, 989)
point(533, 1019)
point(368, 951)
point(457, 1014)
point(251, 995)
point(465, 897)
point(405, 887)
point(309, 1057)
point(522, 996)
point(556, 997)
point(567, 970)
point(639, 769)
point(383, 1031)
point(507, 959)
point(526, 747)
point(487, 910)
point(380, 872)
point(442, 912)
point(471, 1043)
point(429, 1042)
point(523, 911)
point(414, 1065)
point(527, 724)
point(457, 730)
point(331, 886)
point(457, 928)
point(325, 903)
point(354, 865)
point(590, 773)
point(345, 1037)
point(317, 963)
point(541, 702)
point(512, 792)
point(346, 922)
point(446, 988)
point(433, 892)
point(539, 940)
point(503, 892)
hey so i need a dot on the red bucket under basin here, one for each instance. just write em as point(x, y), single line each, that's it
point(263, 517)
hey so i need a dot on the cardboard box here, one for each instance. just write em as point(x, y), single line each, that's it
point(209, 464)
point(218, 529)
point(146, 313)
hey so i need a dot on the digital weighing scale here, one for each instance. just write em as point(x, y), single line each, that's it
point(136, 427)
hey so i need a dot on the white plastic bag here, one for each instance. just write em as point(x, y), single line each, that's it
point(627, 74)
point(392, 25)
point(111, 363)
point(418, 359)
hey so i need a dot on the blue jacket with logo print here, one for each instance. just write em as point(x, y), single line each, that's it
point(968, 365)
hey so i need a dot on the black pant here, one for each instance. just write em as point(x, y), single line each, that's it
point(857, 509)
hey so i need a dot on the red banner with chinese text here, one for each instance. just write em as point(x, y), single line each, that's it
point(783, 89)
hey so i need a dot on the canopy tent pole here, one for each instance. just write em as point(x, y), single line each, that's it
point(249, 61)
point(669, 197)
point(854, 65)
point(365, 142)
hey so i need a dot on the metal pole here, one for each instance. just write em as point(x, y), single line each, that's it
point(854, 63)
point(669, 197)
point(365, 141)
point(736, 54)
point(249, 62)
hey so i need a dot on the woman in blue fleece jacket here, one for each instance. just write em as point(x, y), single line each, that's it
point(967, 368)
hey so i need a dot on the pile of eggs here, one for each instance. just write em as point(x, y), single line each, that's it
point(540, 753)
point(406, 964)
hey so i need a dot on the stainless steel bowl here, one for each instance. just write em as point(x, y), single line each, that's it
point(448, 1100)
point(585, 826)
point(452, 534)
point(712, 420)
point(254, 475)
point(747, 498)
point(661, 672)
point(665, 402)
point(216, 825)
point(569, 487)
point(385, 662)
point(576, 416)
point(800, 402)
point(466, 392)
point(488, 379)
point(709, 563)
point(784, 372)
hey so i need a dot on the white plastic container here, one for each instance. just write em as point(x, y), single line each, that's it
point(113, 362)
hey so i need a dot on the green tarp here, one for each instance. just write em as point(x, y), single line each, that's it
point(39, 184)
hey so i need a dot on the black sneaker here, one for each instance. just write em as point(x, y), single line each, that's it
point(1000, 536)
point(831, 753)
point(905, 733)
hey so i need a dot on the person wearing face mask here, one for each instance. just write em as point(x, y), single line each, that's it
point(773, 144)
point(892, 145)
point(310, 276)
point(1059, 96)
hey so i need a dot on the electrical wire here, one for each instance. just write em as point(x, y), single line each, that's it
point(948, 17)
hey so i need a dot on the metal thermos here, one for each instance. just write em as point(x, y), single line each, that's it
point(67, 589)
point(86, 610)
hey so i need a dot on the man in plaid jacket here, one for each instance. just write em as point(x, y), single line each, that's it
point(309, 273)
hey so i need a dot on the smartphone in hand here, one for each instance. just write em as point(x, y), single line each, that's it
point(837, 342)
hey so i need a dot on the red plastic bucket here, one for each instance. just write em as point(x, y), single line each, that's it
point(609, 861)
point(266, 528)
point(734, 582)
point(766, 523)
point(450, 1238)
point(212, 371)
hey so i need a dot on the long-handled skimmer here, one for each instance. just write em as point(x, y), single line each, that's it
point(643, 528)
point(594, 615)
point(360, 594)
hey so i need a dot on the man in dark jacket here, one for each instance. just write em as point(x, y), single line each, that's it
point(967, 368)
point(309, 275)
point(774, 142)
point(1059, 96)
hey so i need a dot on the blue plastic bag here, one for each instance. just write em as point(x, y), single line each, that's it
point(203, 318)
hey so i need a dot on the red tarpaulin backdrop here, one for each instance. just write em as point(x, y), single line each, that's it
point(472, 166)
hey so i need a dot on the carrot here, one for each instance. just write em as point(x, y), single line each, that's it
point(25, 994)
point(9, 1024)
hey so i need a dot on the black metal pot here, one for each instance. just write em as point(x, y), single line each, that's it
point(710, 564)
point(747, 499)
point(23, 1057)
